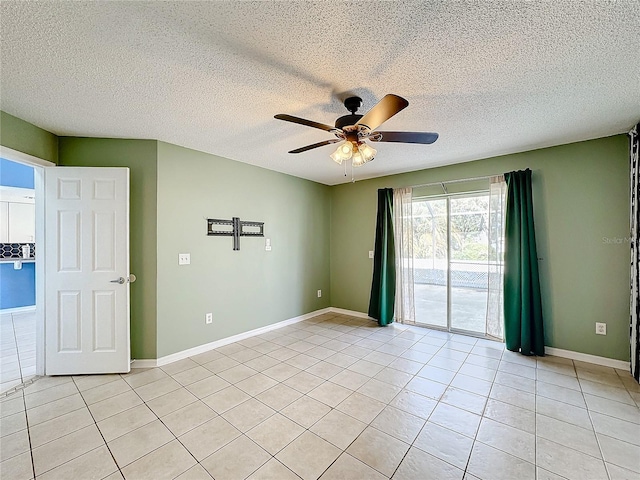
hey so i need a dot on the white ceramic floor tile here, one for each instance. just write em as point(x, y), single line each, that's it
point(361, 407)
point(275, 433)
point(97, 463)
point(414, 403)
point(167, 462)
point(572, 436)
point(399, 424)
point(465, 400)
point(456, 419)
point(209, 437)
point(278, 397)
point(136, 444)
point(273, 470)
point(60, 426)
point(308, 455)
point(622, 454)
point(338, 428)
point(630, 413)
point(330, 393)
point(447, 445)
point(188, 418)
point(616, 428)
point(347, 466)
point(567, 462)
point(61, 450)
point(378, 450)
point(489, 463)
point(508, 439)
point(419, 465)
point(306, 411)
point(125, 422)
point(248, 414)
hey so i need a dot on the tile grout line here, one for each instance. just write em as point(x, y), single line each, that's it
point(97, 428)
point(595, 433)
point(33, 465)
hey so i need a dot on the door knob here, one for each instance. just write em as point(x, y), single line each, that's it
point(120, 280)
point(132, 278)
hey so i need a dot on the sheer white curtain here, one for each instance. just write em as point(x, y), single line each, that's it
point(495, 300)
point(403, 235)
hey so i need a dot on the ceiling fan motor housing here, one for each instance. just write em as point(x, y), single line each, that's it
point(352, 104)
point(347, 120)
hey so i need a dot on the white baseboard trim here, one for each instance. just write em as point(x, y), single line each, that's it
point(585, 357)
point(144, 363)
point(351, 313)
point(190, 352)
point(28, 308)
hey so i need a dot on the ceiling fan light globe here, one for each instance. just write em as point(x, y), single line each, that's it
point(357, 159)
point(336, 157)
point(367, 152)
point(342, 153)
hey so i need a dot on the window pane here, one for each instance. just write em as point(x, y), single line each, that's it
point(469, 258)
point(430, 261)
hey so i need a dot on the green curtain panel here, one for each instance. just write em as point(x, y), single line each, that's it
point(523, 327)
point(383, 287)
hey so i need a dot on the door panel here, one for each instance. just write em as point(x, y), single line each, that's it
point(469, 219)
point(430, 262)
point(86, 252)
point(451, 262)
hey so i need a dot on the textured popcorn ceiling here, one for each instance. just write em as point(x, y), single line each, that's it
point(490, 77)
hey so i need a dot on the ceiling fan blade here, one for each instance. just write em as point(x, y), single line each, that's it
point(383, 111)
point(302, 121)
point(405, 137)
point(316, 145)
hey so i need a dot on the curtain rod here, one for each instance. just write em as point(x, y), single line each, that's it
point(433, 184)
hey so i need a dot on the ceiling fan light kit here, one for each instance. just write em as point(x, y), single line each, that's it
point(354, 129)
point(359, 153)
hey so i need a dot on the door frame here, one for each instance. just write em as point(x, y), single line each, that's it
point(38, 165)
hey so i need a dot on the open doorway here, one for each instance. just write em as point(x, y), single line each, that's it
point(17, 273)
point(21, 267)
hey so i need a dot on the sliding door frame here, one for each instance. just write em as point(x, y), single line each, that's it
point(447, 197)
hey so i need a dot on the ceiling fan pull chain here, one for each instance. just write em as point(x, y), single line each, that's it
point(345, 168)
point(353, 180)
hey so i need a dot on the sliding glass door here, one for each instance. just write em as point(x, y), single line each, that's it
point(430, 262)
point(451, 246)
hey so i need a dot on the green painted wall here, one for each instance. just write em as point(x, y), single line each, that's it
point(141, 158)
point(581, 208)
point(243, 289)
point(321, 236)
point(27, 138)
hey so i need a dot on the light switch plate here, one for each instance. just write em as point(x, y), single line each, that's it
point(370, 253)
point(184, 258)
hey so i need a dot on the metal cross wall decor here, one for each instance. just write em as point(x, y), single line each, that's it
point(236, 231)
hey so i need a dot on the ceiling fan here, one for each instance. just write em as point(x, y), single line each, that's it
point(354, 129)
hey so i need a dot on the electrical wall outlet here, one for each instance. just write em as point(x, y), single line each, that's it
point(184, 258)
point(370, 253)
point(267, 244)
point(208, 318)
point(601, 328)
point(319, 293)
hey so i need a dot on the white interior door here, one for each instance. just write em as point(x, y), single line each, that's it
point(86, 270)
